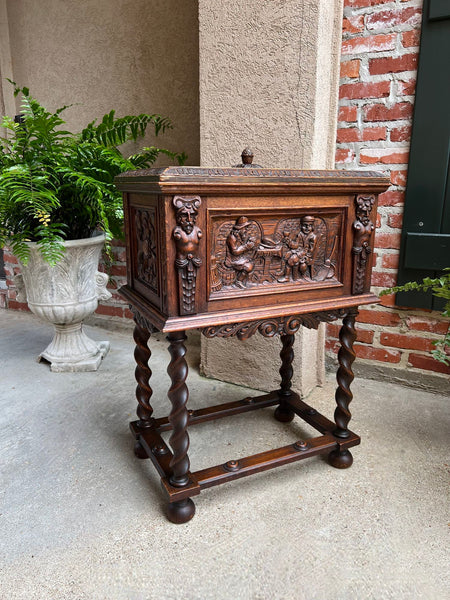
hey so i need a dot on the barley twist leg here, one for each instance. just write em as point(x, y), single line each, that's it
point(142, 374)
point(182, 511)
point(346, 356)
point(283, 413)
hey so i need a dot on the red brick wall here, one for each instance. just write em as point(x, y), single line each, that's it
point(115, 306)
point(8, 296)
point(380, 46)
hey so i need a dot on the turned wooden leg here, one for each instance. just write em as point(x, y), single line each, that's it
point(142, 374)
point(283, 413)
point(347, 335)
point(182, 511)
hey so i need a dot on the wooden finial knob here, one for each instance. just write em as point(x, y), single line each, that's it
point(247, 160)
point(247, 156)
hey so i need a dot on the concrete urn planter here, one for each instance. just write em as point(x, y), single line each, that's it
point(64, 295)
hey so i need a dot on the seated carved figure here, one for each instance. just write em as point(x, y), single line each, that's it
point(300, 251)
point(240, 251)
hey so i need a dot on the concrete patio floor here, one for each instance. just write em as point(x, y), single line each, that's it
point(81, 517)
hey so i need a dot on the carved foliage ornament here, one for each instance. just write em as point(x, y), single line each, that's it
point(273, 326)
point(147, 261)
point(187, 237)
point(361, 250)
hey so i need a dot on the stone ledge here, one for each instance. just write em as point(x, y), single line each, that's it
point(429, 382)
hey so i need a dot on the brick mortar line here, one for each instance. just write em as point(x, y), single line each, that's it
point(358, 10)
point(402, 365)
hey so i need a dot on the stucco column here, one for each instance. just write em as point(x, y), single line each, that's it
point(7, 103)
point(269, 72)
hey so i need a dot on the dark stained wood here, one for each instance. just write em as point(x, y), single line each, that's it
point(237, 252)
point(283, 413)
point(179, 511)
point(242, 314)
point(228, 409)
point(267, 460)
point(346, 356)
point(310, 415)
point(340, 459)
point(259, 180)
point(178, 396)
point(202, 240)
point(273, 326)
point(154, 447)
point(142, 374)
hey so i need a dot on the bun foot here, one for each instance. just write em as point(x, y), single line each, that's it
point(181, 512)
point(139, 451)
point(340, 460)
point(284, 415)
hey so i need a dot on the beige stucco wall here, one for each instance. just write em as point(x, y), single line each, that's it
point(268, 79)
point(131, 55)
point(269, 74)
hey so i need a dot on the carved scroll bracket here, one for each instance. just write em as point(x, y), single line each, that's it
point(142, 321)
point(273, 326)
point(361, 250)
point(187, 237)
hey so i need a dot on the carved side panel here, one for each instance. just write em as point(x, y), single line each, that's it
point(147, 255)
point(187, 236)
point(361, 250)
point(291, 252)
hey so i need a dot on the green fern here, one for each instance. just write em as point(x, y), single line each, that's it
point(440, 287)
point(57, 185)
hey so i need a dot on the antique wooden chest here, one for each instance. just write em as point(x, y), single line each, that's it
point(232, 252)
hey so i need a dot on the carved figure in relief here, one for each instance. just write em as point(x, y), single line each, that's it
point(247, 253)
point(187, 236)
point(299, 255)
point(241, 246)
point(362, 230)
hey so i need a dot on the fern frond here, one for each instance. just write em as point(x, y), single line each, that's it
point(113, 131)
point(147, 156)
point(56, 185)
point(440, 287)
point(50, 242)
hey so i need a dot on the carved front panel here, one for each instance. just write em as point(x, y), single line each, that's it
point(263, 252)
point(147, 255)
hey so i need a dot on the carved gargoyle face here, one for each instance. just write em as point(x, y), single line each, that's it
point(187, 211)
point(186, 216)
point(363, 209)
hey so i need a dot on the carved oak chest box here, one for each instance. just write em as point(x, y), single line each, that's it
point(232, 252)
point(215, 246)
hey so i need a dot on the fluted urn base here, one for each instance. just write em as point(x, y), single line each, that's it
point(64, 294)
point(71, 350)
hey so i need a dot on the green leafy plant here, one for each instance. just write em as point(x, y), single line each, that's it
point(57, 185)
point(439, 287)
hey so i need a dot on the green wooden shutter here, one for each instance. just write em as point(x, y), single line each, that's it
point(2, 266)
point(425, 247)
